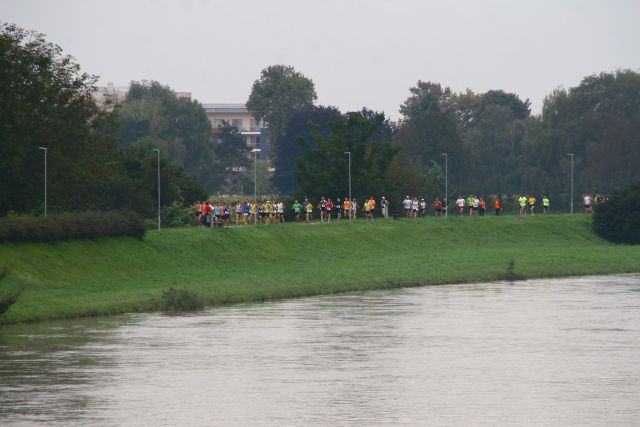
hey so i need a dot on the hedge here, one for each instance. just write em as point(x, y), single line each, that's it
point(618, 219)
point(77, 225)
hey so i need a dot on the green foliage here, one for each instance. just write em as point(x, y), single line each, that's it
point(288, 149)
point(180, 300)
point(178, 215)
point(78, 225)
point(46, 100)
point(279, 92)
point(618, 219)
point(179, 127)
point(323, 170)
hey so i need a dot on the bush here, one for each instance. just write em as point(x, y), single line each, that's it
point(78, 225)
point(177, 215)
point(179, 300)
point(618, 218)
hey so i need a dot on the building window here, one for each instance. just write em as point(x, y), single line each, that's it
point(218, 123)
point(237, 123)
point(257, 142)
point(255, 126)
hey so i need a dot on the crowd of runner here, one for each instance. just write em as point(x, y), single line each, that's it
point(273, 212)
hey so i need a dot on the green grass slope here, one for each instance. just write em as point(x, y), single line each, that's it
point(255, 263)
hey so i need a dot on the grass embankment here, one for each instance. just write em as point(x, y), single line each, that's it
point(115, 275)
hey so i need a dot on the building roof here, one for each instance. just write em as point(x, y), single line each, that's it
point(225, 108)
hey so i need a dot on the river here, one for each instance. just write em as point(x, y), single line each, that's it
point(540, 352)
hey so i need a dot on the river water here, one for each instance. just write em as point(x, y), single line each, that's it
point(541, 352)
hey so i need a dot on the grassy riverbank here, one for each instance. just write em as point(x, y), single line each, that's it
point(236, 264)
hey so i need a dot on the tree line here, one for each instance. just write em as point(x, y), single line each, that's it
point(493, 143)
point(103, 160)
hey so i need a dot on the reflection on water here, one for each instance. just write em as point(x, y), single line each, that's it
point(539, 352)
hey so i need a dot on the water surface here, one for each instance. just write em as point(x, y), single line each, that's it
point(541, 352)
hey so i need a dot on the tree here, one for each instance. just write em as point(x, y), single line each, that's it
point(46, 100)
point(152, 110)
point(618, 219)
point(277, 94)
point(232, 158)
point(323, 170)
point(429, 127)
point(288, 149)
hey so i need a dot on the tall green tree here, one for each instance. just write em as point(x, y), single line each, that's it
point(430, 127)
point(46, 101)
point(152, 110)
point(288, 149)
point(277, 94)
point(323, 170)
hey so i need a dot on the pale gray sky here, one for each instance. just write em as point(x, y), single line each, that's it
point(358, 53)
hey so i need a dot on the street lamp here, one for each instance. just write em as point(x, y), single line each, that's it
point(45, 179)
point(350, 199)
point(158, 151)
point(446, 184)
point(571, 154)
point(255, 182)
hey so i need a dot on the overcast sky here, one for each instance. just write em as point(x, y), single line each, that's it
point(358, 53)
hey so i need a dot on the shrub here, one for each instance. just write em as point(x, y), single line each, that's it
point(618, 218)
point(177, 215)
point(77, 225)
point(179, 300)
point(10, 298)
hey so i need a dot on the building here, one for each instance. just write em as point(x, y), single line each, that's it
point(256, 133)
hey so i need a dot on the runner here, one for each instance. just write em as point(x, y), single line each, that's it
point(354, 208)
point(406, 203)
point(497, 205)
point(323, 208)
point(246, 209)
point(329, 208)
point(482, 206)
point(309, 211)
point(545, 205)
point(532, 205)
point(347, 208)
point(475, 204)
point(280, 211)
point(226, 214)
point(198, 214)
point(587, 204)
point(338, 207)
point(415, 207)
point(372, 203)
point(366, 208)
point(460, 205)
point(384, 206)
point(296, 210)
point(423, 208)
point(470, 205)
point(522, 200)
point(238, 212)
point(437, 207)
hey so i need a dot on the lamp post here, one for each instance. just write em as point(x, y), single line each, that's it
point(446, 184)
point(350, 199)
point(571, 155)
point(255, 182)
point(45, 179)
point(157, 150)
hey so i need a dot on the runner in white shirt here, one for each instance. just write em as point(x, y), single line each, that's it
point(406, 203)
point(460, 204)
point(423, 208)
point(280, 210)
point(587, 203)
point(414, 207)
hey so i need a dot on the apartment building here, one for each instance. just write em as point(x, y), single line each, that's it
point(256, 133)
